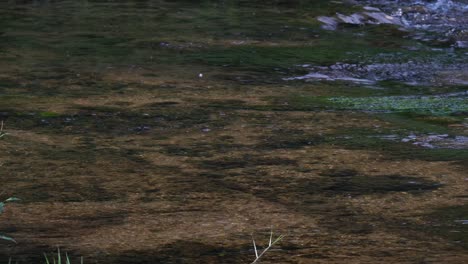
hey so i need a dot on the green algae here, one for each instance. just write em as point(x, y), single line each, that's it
point(436, 105)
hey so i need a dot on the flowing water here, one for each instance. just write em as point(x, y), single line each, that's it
point(170, 131)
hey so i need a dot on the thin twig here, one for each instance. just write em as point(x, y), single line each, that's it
point(270, 244)
point(255, 247)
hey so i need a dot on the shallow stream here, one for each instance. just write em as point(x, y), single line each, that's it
point(171, 131)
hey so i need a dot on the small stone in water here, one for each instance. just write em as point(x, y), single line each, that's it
point(329, 23)
point(370, 8)
point(354, 19)
point(461, 44)
point(141, 128)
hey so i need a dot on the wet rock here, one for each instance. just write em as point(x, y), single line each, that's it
point(372, 16)
point(370, 8)
point(458, 38)
point(354, 19)
point(312, 76)
point(414, 9)
point(411, 72)
point(329, 23)
point(382, 18)
point(463, 44)
point(441, 141)
point(140, 129)
point(437, 21)
point(432, 141)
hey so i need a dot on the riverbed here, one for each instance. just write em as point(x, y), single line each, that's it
point(172, 131)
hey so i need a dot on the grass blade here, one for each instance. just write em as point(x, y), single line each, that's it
point(46, 258)
point(8, 239)
point(12, 199)
point(278, 239)
point(271, 237)
point(270, 244)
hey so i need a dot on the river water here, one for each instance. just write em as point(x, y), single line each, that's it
point(171, 131)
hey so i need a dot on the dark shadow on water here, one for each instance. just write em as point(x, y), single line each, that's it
point(115, 121)
point(308, 195)
point(184, 252)
point(362, 184)
point(450, 223)
point(289, 139)
point(245, 162)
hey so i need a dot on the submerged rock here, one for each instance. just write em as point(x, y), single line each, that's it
point(382, 18)
point(447, 19)
point(461, 44)
point(412, 73)
point(354, 19)
point(329, 23)
point(431, 141)
point(370, 8)
point(434, 141)
point(374, 17)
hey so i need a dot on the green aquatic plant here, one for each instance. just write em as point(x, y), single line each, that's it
point(2, 208)
point(58, 259)
point(259, 254)
point(437, 105)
